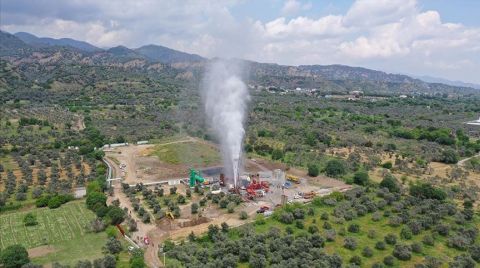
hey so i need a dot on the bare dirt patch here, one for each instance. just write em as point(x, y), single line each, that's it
point(41, 251)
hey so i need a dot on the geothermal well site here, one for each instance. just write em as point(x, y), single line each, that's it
point(183, 185)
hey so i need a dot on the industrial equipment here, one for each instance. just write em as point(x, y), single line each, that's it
point(195, 177)
point(293, 178)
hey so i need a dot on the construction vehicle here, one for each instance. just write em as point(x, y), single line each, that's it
point(309, 195)
point(195, 177)
point(170, 215)
point(263, 209)
point(293, 178)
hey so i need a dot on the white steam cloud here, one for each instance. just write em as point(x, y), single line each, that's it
point(225, 97)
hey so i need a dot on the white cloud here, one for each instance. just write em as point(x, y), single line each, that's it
point(292, 7)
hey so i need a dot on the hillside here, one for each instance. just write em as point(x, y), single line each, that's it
point(162, 60)
point(167, 55)
point(33, 40)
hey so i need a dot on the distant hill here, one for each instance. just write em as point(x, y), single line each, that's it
point(430, 79)
point(46, 41)
point(34, 57)
point(167, 55)
point(11, 45)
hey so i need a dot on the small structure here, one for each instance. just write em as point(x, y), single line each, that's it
point(474, 123)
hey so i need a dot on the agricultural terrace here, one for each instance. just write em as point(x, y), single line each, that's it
point(364, 226)
point(62, 229)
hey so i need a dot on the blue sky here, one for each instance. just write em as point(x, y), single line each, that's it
point(438, 38)
point(462, 11)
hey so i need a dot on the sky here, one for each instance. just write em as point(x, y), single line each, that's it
point(439, 38)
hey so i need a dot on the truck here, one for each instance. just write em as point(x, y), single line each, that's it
point(293, 178)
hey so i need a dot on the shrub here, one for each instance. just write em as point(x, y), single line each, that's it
point(327, 225)
point(194, 208)
point(324, 216)
point(380, 245)
point(335, 168)
point(462, 261)
point(299, 224)
point(14, 256)
point(371, 234)
point(406, 233)
point(243, 215)
point(356, 260)
point(417, 247)
point(391, 239)
point(313, 229)
point(449, 157)
point(360, 178)
point(354, 228)
point(286, 217)
point(313, 170)
point(428, 240)
point(389, 260)
point(367, 252)
point(391, 183)
point(299, 213)
point(350, 243)
point(330, 235)
point(113, 246)
point(387, 165)
point(30, 219)
point(475, 252)
point(402, 252)
point(54, 202)
point(427, 191)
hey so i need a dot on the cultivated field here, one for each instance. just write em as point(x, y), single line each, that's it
point(66, 223)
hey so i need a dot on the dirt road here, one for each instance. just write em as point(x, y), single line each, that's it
point(463, 161)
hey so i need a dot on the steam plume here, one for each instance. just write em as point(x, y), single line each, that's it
point(225, 97)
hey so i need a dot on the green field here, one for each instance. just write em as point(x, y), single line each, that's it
point(188, 153)
point(62, 228)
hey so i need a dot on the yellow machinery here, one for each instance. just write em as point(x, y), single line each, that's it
point(170, 214)
point(293, 178)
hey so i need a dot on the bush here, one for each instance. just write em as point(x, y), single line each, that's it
point(380, 245)
point(299, 224)
point(356, 260)
point(427, 191)
point(313, 170)
point(360, 178)
point(475, 252)
point(286, 217)
point(389, 260)
point(313, 229)
point(391, 183)
point(54, 202)
point(335, 168)
point(30, 219)
point(449, 157)
point(417, 247)
point(387, 165)
point(402, 252)
point(428, 240)
point(391, 239)
point(350, 243)
point(462, 261)
point(14, 256)
point(243, 215)
point(354, 228)
point(194, 208)
point(406, 233)
point(367, 252)
point(231, 207)
point(113, 246)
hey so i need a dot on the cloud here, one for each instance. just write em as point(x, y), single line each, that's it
point(292, 7)
point(392, 35)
